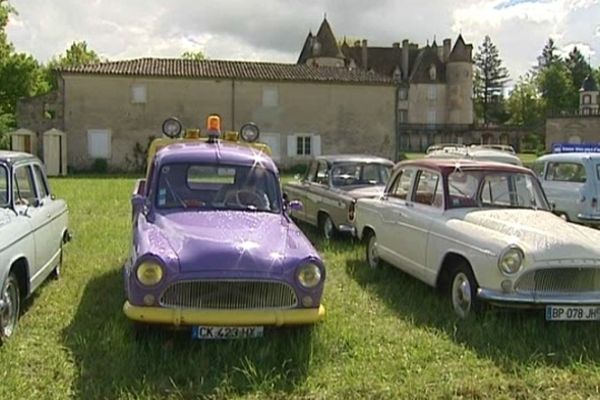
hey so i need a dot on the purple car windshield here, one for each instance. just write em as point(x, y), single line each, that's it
point(217, 187)
point(484, 189)
point(3, 186)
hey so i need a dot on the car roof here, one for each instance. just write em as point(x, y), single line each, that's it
point(220, 152)
point(569, 156)
point(12, 157)
point(365, 158)
point(447, 165)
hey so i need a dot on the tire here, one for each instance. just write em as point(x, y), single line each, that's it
point(463, 292)
point(372, 255)
point(56, 273)
point(328, 229)
point(10, 306)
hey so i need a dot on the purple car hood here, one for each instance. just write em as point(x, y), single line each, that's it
point(229, 240)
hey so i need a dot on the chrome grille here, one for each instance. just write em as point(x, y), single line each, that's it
point(560, 280)
point(229, 295)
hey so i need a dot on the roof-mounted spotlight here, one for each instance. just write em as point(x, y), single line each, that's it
point(249, 132)
point(172, 127)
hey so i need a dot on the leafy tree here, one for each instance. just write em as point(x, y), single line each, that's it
point(549, 55)
point(5, 46)
point(77, 54)
point(524, 104)
point(490, 78)
point(193, 55)
point(556, 87)
point(578, 67)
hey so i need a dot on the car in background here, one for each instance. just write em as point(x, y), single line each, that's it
point(493, 152)
point(330, 187)
point(33, 230)
point(484, 232)
point(214, 249)
point(572, 185)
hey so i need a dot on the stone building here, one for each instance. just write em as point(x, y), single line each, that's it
point(580, 127)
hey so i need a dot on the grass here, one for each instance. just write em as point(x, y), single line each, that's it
point(386, 335)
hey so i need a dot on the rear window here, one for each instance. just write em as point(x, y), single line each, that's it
point(566, 172)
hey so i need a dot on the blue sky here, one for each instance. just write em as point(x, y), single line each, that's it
point(274, 30)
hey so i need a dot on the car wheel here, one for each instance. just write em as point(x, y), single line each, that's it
point(328, 227)
point(10, 302)
point(372, 254)
point(463, 292)
point(57, 270)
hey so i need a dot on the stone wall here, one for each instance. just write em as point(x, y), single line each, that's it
point(572, 129)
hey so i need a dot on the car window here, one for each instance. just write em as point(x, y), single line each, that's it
point(41, 182)
point(566, 172)
point(322, 174)
point(312, 171)
point(598, 171)
point(24, 190)
point(428, 190)
point(509, 190)
point(401, 185)
point(3, 186)
point(217, 187)
point(538, 169)
point(462, 189)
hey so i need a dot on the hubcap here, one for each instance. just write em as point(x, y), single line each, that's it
point(373, 256)
point(327, 228)
point(9, 309)
point(461, 295)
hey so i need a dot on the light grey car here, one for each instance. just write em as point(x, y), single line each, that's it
point(330, 187)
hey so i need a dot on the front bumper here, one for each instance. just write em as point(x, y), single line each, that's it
point(523, 299)
point(180, 316)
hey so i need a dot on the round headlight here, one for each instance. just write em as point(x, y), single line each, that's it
point(149, 273)
point(249, 132)
point(172, 127)
point(510, 260)
point(309, 275)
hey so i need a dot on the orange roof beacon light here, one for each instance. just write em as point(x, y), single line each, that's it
point(213, 127)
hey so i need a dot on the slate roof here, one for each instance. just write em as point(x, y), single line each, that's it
point(220, 69)
point(326, 44)
point(589, 84)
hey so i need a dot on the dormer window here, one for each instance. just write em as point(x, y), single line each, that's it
point(316, 48)
point(587, 99)
point(432, 72)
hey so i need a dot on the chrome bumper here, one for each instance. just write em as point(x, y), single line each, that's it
point(522, 299)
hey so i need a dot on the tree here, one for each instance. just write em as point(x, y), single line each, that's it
point(490, 78)
point(524, 104)
point(549, 55)
point(556, 87)
point(193, 55)
point(77, 54)
point(578, 67)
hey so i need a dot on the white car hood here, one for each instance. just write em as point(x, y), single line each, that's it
point(541, 233)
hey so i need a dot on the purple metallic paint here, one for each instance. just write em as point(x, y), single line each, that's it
point(208, 244)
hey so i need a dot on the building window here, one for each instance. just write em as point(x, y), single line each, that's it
point(138, 93)
point(431, 117)
point(99, 143)
point(270, 96)
point(402, 93)
point(432, 72)
point(303, 147)
point(587, 99)
point(402, 116)
point(432, 92)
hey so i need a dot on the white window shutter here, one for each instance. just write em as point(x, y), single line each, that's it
point(316, 145)
point(291, 145)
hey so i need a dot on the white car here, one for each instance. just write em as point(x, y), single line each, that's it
point(33, 229)
point(485, 232)
point(572, 184)
point(496, 153)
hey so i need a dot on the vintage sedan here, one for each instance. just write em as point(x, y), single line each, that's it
point(485, 232)
point(33, 230)
point(213, 247)
point(331, 186)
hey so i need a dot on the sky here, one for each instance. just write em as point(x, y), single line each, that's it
point(275, 30)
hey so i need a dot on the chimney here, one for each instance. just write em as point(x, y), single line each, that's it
point(396, 45)
point(447, 49)
point(357, 43)
point(364, 55)
point(404, 64)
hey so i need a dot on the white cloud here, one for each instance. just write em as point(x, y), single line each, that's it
point(274, 30)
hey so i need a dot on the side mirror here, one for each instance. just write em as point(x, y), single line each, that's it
point(138, 204)
point(295, 205)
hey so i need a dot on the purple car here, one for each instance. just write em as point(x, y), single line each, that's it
point(214, 248)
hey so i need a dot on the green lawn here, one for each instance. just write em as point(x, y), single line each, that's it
point(385, 336)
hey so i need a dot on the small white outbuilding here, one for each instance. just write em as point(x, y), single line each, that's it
point(55, 152)
point(24, 140)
